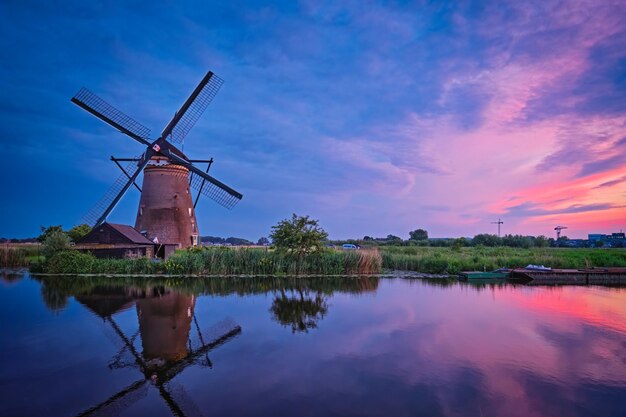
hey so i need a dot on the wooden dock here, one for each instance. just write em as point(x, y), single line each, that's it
point(588, 276)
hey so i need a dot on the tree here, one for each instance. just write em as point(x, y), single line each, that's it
point(263, 241)
point(300, 313)
point(237, 241)
point(76, 233)
point(393, 238)
point(541, 241)
point(47, 231)
point(299, 236)
point(56, 241)
point(419, 234)
point(487, 240)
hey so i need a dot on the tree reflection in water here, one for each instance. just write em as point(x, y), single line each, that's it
point(300, 309)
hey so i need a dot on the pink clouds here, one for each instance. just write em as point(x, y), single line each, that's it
point(555, 165)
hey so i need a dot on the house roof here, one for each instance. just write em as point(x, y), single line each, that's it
point(131, 234)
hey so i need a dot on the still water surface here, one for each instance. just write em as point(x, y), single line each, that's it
point(314, 346)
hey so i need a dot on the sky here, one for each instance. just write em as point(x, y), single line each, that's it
point(375, 118)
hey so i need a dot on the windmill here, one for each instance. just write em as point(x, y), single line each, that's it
point(159, 369)
point(558, 231)
point(499, 222)
point(166, 213)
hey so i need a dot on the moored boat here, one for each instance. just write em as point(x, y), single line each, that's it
point(586, 276)
point(501, 273)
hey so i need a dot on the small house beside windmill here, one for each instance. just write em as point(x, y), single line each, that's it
point(166, 213)
point(109, 240)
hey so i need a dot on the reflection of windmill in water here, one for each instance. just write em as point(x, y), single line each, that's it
point(166, 211)
point(165, 322)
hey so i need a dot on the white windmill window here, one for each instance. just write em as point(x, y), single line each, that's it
point(190, 211)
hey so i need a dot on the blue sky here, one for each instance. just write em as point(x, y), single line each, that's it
point(373, 117)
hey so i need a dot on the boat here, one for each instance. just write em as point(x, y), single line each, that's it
point(585, 276)
point(500, 273)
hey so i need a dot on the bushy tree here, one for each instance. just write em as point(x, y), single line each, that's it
point(418, 234)
point(263, 241)
point(56, 241)
point(237, 241)
point(487, 240)
point(517, 241)
point(76, 233)
point(457, 244)
point(47, 231)
point(299, 235)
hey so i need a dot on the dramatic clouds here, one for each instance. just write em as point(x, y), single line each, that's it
point(376, 119)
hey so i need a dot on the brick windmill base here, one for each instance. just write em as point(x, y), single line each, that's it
point(166, 208)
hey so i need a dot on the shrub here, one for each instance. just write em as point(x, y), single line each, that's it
point(300, 236)
point(69, 262)
point(55, 242)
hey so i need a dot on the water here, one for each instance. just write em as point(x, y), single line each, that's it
point(309, 347)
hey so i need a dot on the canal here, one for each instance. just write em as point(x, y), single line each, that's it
point(371, 346)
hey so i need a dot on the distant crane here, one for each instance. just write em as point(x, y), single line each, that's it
point(558, 231)
point(499, 222)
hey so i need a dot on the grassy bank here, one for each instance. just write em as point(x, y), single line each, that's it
point(252, 261)
point(16, 255)
point(220, 261)
point(452, 261)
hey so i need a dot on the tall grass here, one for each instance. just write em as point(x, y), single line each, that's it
point(12, 256)
point(452, 261)
point(221, 261)
point(253, 261)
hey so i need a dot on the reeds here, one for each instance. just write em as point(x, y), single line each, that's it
point(13, 256)
point(222, 261)
point(255, 261)
point(452, 261)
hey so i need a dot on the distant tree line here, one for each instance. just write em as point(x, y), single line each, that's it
point(216, 240)
point(419, 237)
point(15, 240)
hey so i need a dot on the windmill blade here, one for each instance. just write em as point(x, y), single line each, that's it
point(117, 190)
point(117, 403)
point(217, 193)
point(192, 109)
point(98, 209)
point(207, 185)
point(109, 114)
point(179, 401)
point(219, 334)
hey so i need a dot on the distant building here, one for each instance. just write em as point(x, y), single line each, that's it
point(110, 240)
point(614, 240)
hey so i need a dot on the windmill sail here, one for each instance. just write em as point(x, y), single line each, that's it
point(178, 400)
point(119, 402)
point(94, 214)
point(215, 192)
point(192, 109)
point(109, 114)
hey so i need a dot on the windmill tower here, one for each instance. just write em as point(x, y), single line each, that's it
point(499, 222)
point(166, 212)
